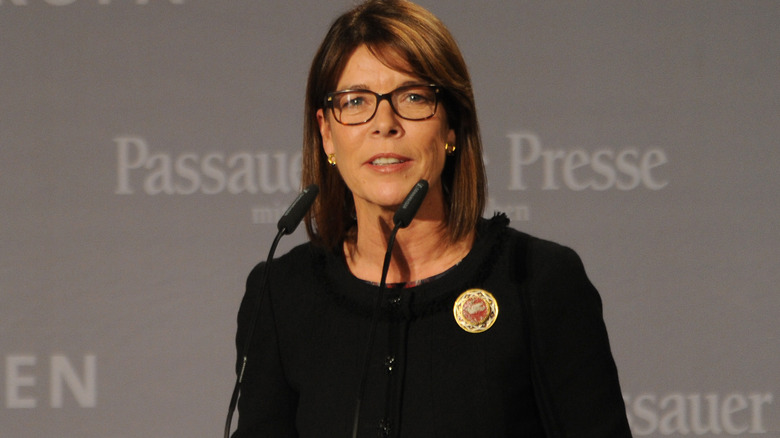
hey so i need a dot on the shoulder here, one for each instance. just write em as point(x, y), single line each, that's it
point(527, 252)
point(537, 246)
point(552, 273)
point(517, 240)
point(535, 262)
point(540, 256)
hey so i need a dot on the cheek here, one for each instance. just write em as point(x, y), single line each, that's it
point(342, 139)
point(437, 155)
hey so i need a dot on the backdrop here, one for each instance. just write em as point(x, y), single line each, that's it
point(147, 149)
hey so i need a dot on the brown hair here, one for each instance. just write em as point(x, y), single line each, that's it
point(387, 28)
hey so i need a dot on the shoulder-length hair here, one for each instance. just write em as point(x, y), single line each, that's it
point(408, 38)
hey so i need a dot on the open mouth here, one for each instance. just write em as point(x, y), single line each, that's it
point(384, 161)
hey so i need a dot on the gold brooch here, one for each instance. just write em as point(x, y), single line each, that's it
point(475, 310)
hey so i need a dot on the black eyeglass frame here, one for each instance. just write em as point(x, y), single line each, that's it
point(329, 100)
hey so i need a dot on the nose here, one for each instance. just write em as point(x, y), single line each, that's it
point(386, 121)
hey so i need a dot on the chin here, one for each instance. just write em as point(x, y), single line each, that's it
point(387, 199)
point(388, 194)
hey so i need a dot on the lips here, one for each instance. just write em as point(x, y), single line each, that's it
point(387, 160)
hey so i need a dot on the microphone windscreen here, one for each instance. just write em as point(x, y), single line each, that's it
point(294, 214)
point(405, 213)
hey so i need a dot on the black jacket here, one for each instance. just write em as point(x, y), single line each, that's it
point(544, 369)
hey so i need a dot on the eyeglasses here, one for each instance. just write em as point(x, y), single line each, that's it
point(411, 102)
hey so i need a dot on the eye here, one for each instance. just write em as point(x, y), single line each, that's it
point(352, 101)
point(416, 96)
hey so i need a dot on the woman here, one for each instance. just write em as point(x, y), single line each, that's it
point(483, 332)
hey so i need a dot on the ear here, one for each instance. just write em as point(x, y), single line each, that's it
point(327, 138)
point(451, 136)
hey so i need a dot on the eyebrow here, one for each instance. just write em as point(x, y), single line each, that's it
point(365, 87)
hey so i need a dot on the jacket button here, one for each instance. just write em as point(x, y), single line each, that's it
point(389, 364)
point(384, 428)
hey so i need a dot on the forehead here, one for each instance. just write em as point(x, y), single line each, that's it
point(366, 68)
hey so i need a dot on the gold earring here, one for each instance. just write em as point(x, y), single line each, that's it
point(332, 159)
point(449, 148)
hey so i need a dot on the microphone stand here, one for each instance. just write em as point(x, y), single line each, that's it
point(402, 218)
point(286, 225)
point(372, 331)
point(250, 333)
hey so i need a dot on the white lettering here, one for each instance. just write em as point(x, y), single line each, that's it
point(579, 169)
point(674, 419)
point(625, 164)
point(188, 173)
point(602, 167)
point(125, 164)
point(731, 405)
point(517, 159)
point(14, 380)
point(243, 180)
point(84, 391)
point(160, 172)
point(694, 414)
point(642, 408)
point(160, 179)
point(214, 172)
point(265, 174)
point(697, 426)
point(21, 374)
point(573, 161)
point(756, 407)
point(652, 159)
point(550, 157)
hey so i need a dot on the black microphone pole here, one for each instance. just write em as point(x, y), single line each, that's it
point(401, 219)
point(286, 225)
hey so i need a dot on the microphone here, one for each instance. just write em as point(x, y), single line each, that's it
point(404, 215)
point(294, 214)
point(286, 225)
point(401, 219)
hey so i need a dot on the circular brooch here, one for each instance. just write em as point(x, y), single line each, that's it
point(475, 310)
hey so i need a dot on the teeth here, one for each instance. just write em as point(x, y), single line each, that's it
point(384, 161)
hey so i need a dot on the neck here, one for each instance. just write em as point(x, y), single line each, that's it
point(422, 250)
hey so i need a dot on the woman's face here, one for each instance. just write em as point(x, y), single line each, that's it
point(383, 158)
